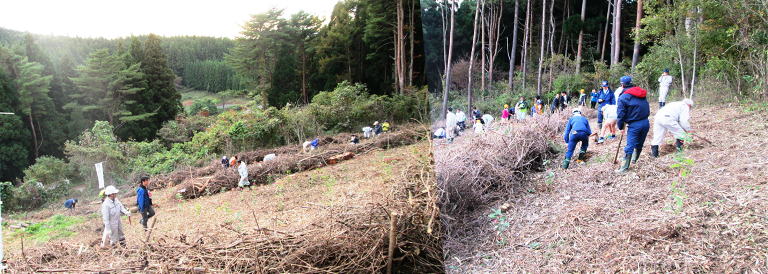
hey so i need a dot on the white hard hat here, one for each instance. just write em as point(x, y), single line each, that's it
point(576, 111)
point(110, 190)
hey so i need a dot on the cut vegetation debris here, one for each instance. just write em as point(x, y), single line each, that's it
point(589, 219)
point(334, 219)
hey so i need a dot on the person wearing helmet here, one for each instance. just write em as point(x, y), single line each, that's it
point(632, 111)
point(605, 97)
point(505, 113)
point(144, 201)
point(577, 130)
point(111, 209)
point(224, 161)
point(673, 118)
point(478, 127)
point(582, 98)
point(71, 204)
point(664, 81)
point(593, 98)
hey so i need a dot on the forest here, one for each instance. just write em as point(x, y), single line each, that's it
point(494, 50)
point(77, 101)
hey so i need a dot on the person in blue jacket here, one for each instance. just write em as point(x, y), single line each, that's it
point(144, 201)
point(633, 111)
point(71, 204)
point(593, 98)
point(604, 97)
point(577, 130)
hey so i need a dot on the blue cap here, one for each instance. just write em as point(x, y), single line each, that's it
point(666, 70)
point(626, 81)
point(605, 83)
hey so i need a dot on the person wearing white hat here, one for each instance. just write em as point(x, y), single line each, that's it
point(111, 209)
point(577, 130)
point(674, 118)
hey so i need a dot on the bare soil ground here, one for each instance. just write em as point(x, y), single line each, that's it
point(589, 219)
point(330, 219)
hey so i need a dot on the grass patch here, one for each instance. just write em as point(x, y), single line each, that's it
point(56, 227)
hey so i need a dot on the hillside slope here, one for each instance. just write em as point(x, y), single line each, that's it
point(334, 218)
point(648, 220)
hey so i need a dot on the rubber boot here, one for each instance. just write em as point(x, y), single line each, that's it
point(661, 104)
point(566, 162)
point(624, 163)
point(581, 157)
point(679, 144)
point(635, 155)
point(655, 151)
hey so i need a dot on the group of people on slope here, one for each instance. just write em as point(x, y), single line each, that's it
point(627, 110)
point(377, 129)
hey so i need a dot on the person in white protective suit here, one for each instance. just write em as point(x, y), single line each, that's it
point(111, 209)
point(664, 81)
point(450, 124)
point(478, 127)
point(673, 118)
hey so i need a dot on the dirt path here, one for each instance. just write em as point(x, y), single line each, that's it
point(588, 219)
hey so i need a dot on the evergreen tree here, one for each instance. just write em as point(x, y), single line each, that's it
point(160, 100)
point(33, 94)
point(14, 137)
point(103, 84)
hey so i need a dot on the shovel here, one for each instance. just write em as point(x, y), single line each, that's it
point(621, 137)
point(705, 139)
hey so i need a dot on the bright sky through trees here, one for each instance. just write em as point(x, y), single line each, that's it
point(110, 19)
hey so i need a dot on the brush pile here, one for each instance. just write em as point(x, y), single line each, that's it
point(192, 183)
point(339, 238)
point(492, 165)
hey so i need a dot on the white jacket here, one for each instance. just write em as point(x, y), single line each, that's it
point(478, 128)
point(665, 80)
point(450, 120)
point(487, 118)
point(461, 117)
point(675, 112)
point(110, 215)
point(243, 171)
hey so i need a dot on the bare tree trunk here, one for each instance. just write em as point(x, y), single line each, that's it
point(617, 33)
point(34, 135)
point(581, 37)
point(543, 45)
point(482, 50)
point(605, 33)
point(526, 39)
point(396, 75)
point(410, 64)
point(445, 43)
point(695, 52)
point(636, 52)
point(494, 30)
point(562, 29)
point(472, 58)
point(551, 42)
point(513, 54)
point(401, 32)
point(304, 73)
point(448, 71)
point(682, 68)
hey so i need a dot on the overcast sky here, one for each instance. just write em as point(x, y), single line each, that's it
point(110, 19)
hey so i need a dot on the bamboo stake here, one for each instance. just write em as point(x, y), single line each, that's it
point(621, 137)
point(392, 241)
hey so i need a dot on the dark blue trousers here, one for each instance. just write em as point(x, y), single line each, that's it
point(573, 139)
point(636, 133)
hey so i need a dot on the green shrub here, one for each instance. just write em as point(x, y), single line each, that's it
point(47, 170)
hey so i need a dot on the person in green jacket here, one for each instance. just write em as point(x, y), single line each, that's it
point(522, 108)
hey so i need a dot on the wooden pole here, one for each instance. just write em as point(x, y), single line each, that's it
point(621, 137)
point(392, 241)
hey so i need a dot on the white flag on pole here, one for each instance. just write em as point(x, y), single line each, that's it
point(100, 173)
